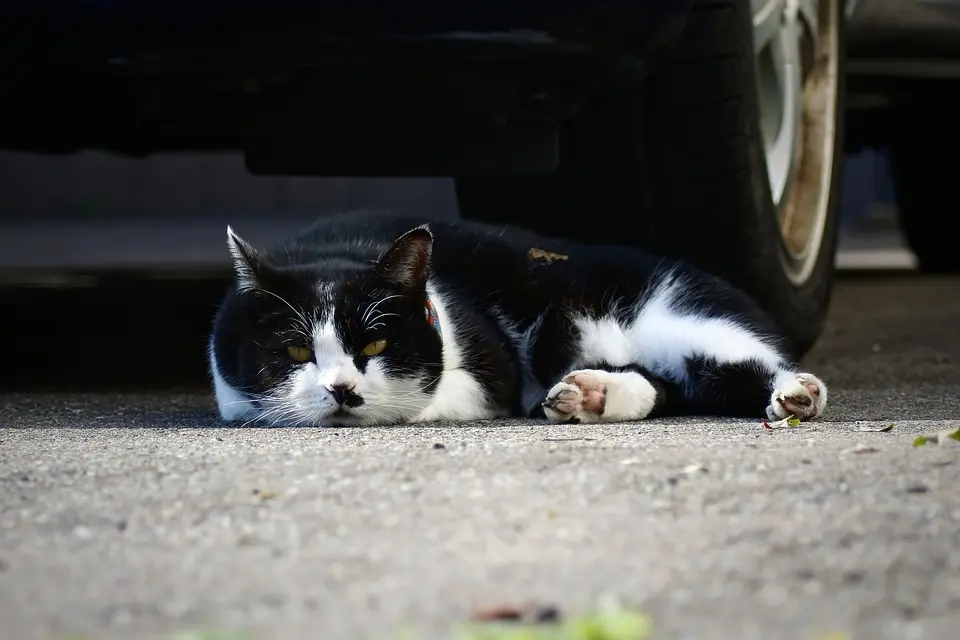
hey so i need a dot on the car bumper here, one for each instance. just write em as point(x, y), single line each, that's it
point(141, 77)
point(92, 31)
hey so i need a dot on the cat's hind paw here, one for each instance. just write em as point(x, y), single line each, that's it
point(594, 395)
point(804, 398)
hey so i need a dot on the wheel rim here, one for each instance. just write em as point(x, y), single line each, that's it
point(796, 47)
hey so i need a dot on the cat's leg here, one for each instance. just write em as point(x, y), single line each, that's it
point(753, 386)
point(739, 389)
point(594, 391)
point(605, 394)
point(703, 367)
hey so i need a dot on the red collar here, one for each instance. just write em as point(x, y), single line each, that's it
point(432, 318)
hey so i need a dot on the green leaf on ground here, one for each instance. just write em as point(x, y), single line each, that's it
point(940, 438)
point(790, 421)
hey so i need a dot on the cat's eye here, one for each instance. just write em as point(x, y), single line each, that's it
point(299, 354)
point(375, 348)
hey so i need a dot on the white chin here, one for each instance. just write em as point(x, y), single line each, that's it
point(334, 420)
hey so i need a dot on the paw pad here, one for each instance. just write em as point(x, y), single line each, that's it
point(578, 396)
point(804, 398)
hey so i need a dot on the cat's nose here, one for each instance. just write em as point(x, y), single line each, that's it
point(343, 394)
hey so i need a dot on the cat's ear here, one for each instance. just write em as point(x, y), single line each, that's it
point(247, 261)
point(407, 262)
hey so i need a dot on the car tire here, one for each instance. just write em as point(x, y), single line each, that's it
point(677, 165)
point(923, 183)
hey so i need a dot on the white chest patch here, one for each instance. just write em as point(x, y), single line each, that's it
point(459, 396)
point(232, 405)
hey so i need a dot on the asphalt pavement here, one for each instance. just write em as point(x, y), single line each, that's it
point(128, 511)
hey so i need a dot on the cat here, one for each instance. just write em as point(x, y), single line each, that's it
point(369, 318)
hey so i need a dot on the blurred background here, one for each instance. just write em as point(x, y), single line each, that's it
point(111, 211)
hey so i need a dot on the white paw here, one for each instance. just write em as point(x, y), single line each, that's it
point(804, 397)
point(592, 395)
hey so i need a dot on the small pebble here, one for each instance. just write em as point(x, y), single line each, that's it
point(547, 613)
point(439, 445)
point(806, 574)
point(497, 613)
point(862, 448)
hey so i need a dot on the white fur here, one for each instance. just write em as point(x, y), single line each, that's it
point(628, 396)
point(458, 395)
point(232, 405)
point(246, 280)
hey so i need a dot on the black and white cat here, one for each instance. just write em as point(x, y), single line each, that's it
point(374, 319)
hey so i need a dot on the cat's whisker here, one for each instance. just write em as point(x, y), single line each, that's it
point(251, 421)
point(278, 411)
point(280, 414)
point(387, 315)
point(253, 398)
point(233, 402)
point(299, 314)
point(407, 394)
point(399, 406)
point(418, 391)
point(373, 306)
point(295, 331)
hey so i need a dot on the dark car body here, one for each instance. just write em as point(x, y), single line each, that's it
point(322, 87)
point(902, 55)
point(904, 96)
point(903, 33)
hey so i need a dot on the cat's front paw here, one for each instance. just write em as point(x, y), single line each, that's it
point(593, 395)
point(579, 397)
point(804, 398)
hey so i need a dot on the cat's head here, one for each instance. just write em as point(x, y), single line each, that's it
point(339, 342)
